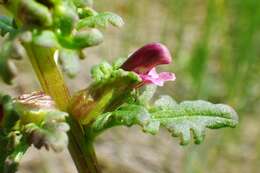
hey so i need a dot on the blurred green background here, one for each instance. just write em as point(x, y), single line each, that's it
point(216, 56)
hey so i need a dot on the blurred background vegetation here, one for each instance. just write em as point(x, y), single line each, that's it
point(216, 56)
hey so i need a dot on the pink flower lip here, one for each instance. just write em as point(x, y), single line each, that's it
point(158, 79)
point(147, 57)
point(144, 60)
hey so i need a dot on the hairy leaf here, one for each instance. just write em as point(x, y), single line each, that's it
point(104, 73)
point(193, 116)
point(81, 40)
point(69, 59)
point(45, 38)
point(101, 20)
point(181, 120)
point(126, 115)
point(48, 135)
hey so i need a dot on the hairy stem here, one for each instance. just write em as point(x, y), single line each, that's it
point(52, 82)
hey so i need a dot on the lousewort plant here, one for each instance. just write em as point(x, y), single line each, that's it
point(52, 34)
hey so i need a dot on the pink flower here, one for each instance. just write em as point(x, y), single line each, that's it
point(144, 61)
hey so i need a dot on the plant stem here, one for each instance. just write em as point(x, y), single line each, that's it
point(52, 82)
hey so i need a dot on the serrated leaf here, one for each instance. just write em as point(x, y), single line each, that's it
point(179, 119)
point(69, 60)
point(126, 115)
point(194, 116)
point(101, 20)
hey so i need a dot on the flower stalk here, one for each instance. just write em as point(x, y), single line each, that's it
point(52, 82)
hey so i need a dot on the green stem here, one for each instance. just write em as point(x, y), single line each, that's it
point(52, 82)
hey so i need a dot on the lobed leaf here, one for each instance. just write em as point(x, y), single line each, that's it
point(181, 120)
point(126, 115)
point(193, 117)
point(101, 20)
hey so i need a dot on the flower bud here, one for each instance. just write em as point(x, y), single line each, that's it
point(147, 57)
point(144, 61)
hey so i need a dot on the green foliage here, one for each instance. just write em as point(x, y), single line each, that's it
point(193, 116)
point(101, 20)
point(110, 88)
point(7, 68)
point(179, 119)
point(7, 25)
point(10, 116)
point(45, 38)
point(11, 141)
point(15, 147)
point(33, 13)
point(49, 134)
point(9, 51)
point(104, 73)
point(24, 124)
point(82, 3)
point(69, 61)
point(58, 24)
